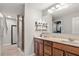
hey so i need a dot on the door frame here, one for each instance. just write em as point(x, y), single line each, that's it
point(12, 34)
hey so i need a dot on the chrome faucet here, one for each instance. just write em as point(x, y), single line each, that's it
point(71, 39)
point(43, 35)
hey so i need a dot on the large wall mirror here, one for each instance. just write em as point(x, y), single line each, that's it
point(65, 20)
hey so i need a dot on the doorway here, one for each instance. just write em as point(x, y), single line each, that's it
point(13, 34)
point(20, 31)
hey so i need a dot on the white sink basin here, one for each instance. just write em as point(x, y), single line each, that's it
point(76, 41)
point(71, 41)
point(67, 40)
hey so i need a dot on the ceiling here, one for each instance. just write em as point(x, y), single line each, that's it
point(73, 8)
point(40, 6)
point(12, 9)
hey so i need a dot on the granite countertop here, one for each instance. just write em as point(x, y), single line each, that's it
point(60, 40)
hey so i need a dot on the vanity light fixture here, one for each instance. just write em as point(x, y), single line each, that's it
point(62, 4)
point(53, 8)
point(50, 11)
point(58, 7)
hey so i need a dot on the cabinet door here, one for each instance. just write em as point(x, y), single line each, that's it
point(40, 49)
point(47, 48)
point(35, 47)
point(57, 52)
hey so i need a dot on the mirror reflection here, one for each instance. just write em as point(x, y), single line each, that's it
point(65, 18)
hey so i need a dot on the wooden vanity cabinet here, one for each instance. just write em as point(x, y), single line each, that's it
point(38, 47)
point(49, 48)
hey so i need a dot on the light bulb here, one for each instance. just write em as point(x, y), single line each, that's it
point(62, 4)
point(53, 8)
point(58, 6)
point(50, 11)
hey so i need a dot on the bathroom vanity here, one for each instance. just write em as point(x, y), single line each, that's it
point(55, 47)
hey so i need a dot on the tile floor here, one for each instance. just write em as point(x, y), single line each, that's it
point(11, 50)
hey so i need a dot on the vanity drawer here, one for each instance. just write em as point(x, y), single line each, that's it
point(59, 46)
point(49, 43)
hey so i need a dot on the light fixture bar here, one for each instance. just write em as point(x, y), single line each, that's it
point(57, 7)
